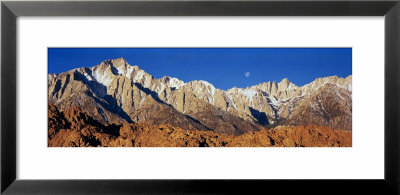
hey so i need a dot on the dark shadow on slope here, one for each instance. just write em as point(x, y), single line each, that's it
point(150, 92)
point(197, 121)
point(154, 95)
point(57, 87)
point(273, 108)
point(82, 116)
point(100, 90)
point(260, 116)
point(113, 69)
point(110, 103)
point(111, 106)
point(112, 129)
point(92, 141)
point(65, 84)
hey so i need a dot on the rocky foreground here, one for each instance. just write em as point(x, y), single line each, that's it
point(74, 128)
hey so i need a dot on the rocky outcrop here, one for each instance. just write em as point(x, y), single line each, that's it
point(81, 130)
point(77, 129)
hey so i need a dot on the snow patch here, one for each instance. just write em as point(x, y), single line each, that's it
point(129, 71)
point(103, 78)
point(349, 87)
point(231, 101)
point(210, 89)
point(207, 84)
point(176, 83)
point(162, 88)
point(87, 76)
point(274, 101)
point(139, 76)
point(249, 93)
point(120, 71)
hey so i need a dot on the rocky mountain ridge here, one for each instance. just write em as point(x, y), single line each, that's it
point(116, 92)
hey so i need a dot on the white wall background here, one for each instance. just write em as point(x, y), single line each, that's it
point(364, 160)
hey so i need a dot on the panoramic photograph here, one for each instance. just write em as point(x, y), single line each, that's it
point(199, 97)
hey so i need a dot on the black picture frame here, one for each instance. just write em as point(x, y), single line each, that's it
point(10, 10)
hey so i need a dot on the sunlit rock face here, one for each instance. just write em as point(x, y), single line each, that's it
point(116, 92)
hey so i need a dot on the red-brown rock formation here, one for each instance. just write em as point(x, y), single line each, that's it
point(75, 128)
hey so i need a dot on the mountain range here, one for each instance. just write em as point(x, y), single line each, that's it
point(115, 92)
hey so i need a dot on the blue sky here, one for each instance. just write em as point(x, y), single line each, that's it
point(223, 67)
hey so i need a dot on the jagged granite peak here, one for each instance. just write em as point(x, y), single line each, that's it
point(171, 82)
point(285, 81)
point(107, 70)
point(201, 86)
point(285, 84)
point(123, 68)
